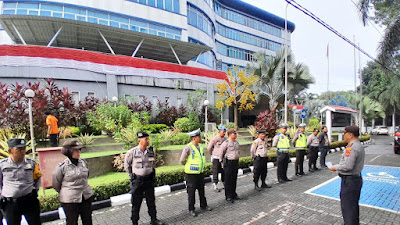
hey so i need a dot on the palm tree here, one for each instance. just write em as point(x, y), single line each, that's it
point(271, 71)
point(390, 99)
point(387, 12)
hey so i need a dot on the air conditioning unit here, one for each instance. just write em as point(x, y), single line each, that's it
point(210, 127)
point(225, 121)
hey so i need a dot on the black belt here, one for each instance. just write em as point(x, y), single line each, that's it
point(228, 160)
point(22, 198)
point(143, 178)
point(352, 175)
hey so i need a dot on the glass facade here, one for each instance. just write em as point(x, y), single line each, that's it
point(247, 38)
point(168, 5)
point(234, 52)
point(198, 19)
point(245, 20)
point(207, 58)
point(91, 16)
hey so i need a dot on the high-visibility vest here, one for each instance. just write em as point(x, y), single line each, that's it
point(196, 160)
point(301, 142)
point(283, 143)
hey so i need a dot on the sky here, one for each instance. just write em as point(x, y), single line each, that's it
point(310, 40)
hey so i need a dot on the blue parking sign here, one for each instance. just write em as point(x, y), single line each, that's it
point(303, 113)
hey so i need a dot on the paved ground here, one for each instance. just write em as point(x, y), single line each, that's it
point(282, 204)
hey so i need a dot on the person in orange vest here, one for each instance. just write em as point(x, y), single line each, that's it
point(52, 129)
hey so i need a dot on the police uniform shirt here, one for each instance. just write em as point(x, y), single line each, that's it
point(139, 162)
point(16, 179)
point(296, 136)
point(185, 153)
point(259, 148)
point(214, 148)
point(229, 150)
point(313, 141)
point(71, 181)
point(352, 161)
point(276, 139)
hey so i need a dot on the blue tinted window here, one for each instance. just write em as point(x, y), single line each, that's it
point(176, 6)
point(124, 26)
point(9, 12)
point(9, 5)
point(139, 23)
point(114, 24)
point(153, 32)
point(98, 14)
point(173, 31)
point(151, 2)
point(33, 12)
point(142, 1)
point(45, 13)
point(170, 36)
point(51, 7)
point(22, 12)
point(156, 27)
point(75, 10)
point(103, 22)
point(177, 37)
point(92, 20)
point(119, 19)
point(134, 28)
point(56, 14)
point(143, 30)
point(168, 5)
point(69, 16)
point(81, 18)
point(28, 5)
point(161, 34)
point(160, 4)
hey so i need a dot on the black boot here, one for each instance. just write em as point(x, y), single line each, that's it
point(256, 187)
point(265, 185)
point(157, 222)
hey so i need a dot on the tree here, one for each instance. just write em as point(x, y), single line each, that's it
point(271, 71)
point(238, 91)
point(386, 12)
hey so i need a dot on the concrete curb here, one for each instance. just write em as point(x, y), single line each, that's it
point(165, 189)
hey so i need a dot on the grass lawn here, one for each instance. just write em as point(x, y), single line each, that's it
point(85, 155)
point(114, 176)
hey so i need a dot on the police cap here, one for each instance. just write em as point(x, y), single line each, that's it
point(352, 129)
point(16, 142)
point(221, 128)
point(283, 125)
point(195, 133)
point(142, 134)
point(302, 125)
point(261, 131)
point(69, 146)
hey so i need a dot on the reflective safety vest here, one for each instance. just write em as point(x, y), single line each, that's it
point(283, 143)
point(301, 142)
point(196, 160)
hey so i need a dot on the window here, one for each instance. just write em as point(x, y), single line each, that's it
point(168, 5)
point(75, 97)
point(198, 19)
point(176, 6)
point(178, 102)
point(151, 2)
point(160, 4)
point(90, 94)
point(155, 100)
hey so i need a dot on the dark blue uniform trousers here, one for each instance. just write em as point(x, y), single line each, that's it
point(282, 161)
point(349, 196)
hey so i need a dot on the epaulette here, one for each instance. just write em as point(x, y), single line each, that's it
point(61, 163)
point(3, 160)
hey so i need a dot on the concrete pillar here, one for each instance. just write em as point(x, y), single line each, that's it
point(211, 94)
point(328, 116)
point(112, 86)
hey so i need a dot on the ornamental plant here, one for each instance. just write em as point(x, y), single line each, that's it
point(266, 121)
point(238, 92)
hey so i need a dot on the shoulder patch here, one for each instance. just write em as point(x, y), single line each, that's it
point(128, 154)
point(348, 151)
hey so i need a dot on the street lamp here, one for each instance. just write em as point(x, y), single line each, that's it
point(286, 75)
point(30, 94)
point(115, 100)
point(294, 117)
point(206, 103)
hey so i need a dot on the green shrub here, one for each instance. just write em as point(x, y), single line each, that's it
point(155, 128)
point(180, 139)
point(183, 124)
point(109, 118)
point(314, 123)
point(194, 122)
point(74, 130)
point(338, 144)
point(365, 137)
point(230, 126)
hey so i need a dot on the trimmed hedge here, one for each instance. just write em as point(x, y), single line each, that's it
point(106, 191)
point(155, 128)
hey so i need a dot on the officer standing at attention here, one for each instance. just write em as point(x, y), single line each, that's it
point(300, 143)
point(282, 142)
point(230, 157)
point(19, 182)
point(139, 164)
point(214, 148)
point(259, 155)
point(323, 146)
point(313, 145)
point(349, 169)
point(194, 160)
point(70, 180)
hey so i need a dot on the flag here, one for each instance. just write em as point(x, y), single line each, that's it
point(327, 50)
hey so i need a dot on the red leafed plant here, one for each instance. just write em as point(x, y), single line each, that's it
point(266, 121)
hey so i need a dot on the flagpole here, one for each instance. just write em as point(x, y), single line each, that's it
point(355, 78)
point(327, 84)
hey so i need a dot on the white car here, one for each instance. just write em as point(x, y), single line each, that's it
point(379, 130)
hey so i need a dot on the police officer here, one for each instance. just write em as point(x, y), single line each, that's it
point(19, 182)
point(323, 146)
point(313, 145)
point(282, 142)
point(139, 164)
point(214, 148)
point(259, 155)
point(230, 158)
point(70, 180)
point(349, 168)
point(300, 143)
point(194, 160)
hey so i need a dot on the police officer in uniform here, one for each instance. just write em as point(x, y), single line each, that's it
point(139, 164)
point(282, 142)
point(349, 169)
point(19, 182)
point(70, 180)
point(230, 158)
point(259, 155)
point(313, 145)
point(194, 160)
point(300, 143)
point(214, 148)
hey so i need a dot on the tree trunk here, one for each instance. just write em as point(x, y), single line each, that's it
point(394, 119)
point(235, 113)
